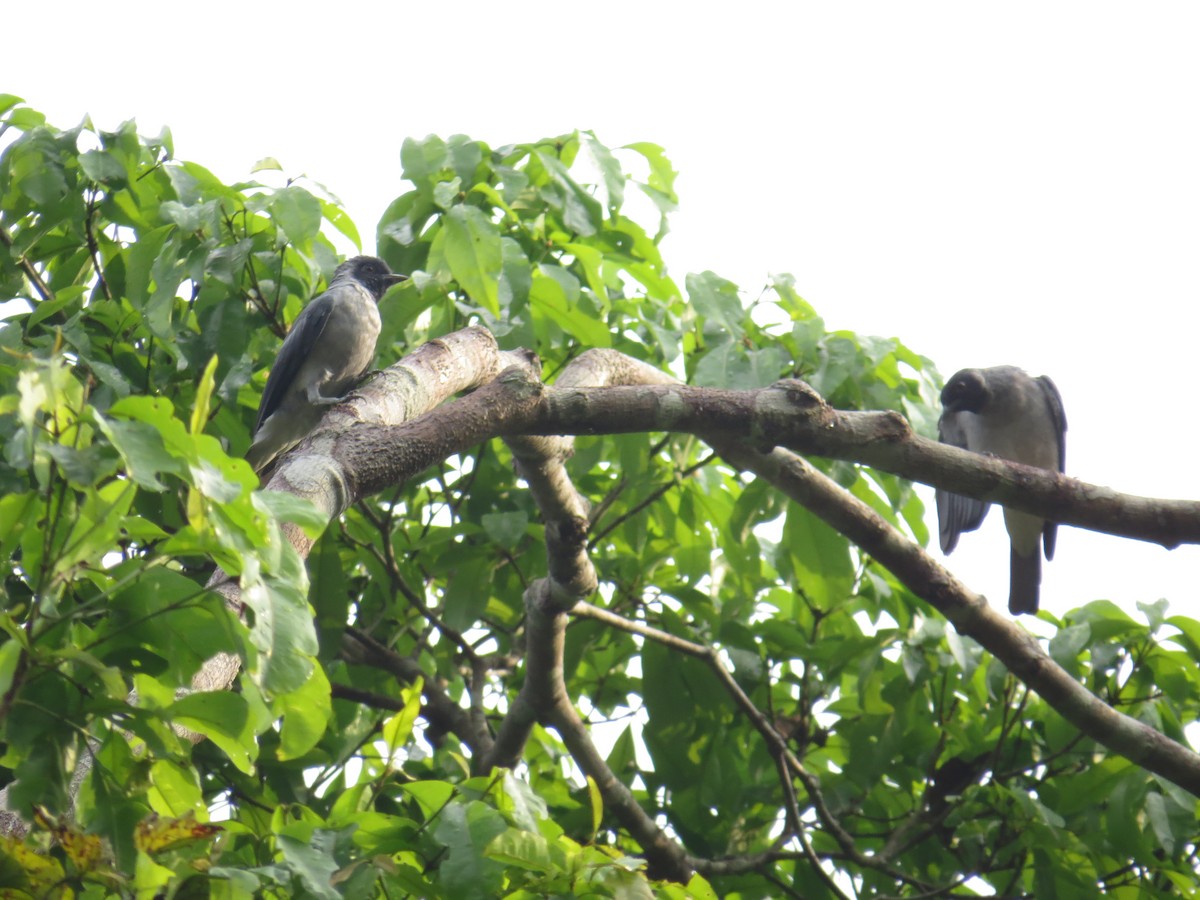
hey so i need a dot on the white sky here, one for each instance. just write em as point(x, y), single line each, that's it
point(1015, 183)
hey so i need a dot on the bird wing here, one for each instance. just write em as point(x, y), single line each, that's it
point(956, 513)
point(1058, 416)
point(297, 346)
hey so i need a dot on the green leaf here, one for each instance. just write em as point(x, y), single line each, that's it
point(10, 656)
point(446, 193)
point(203, 397)
point(1154, 612)
point(660, 186)
point(150, 878)
point(507, 528)
point(103, 167)
point(466, 830)
point(614, 176)
point(423, 158)
point(819, 558)
point(283, 628)
point(398, 729)
point(68, 299)
point(159, 607)
point(86, 466)
point(223, 718)
point(38, 176)
point(312, 862)
point(176, 789)
point(138, 262)
point(1160, 821)
point(142, 450)
point(580, 211)
point(1066, 645)
point(464, 601)
point(432, 796)
point(548, 298)
point(338, 218)
point(266, 164)
point(8, 101)
point(284, 506)
point(26, 118)
point(597, 804)
point(473, 253)
point(1189, 628)
point(297, 213)
point(717, 300)
point(523, 849)
point(306, 714)
point(97, 525)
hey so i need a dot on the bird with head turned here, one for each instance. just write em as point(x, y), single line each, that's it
point(1002, 411)
point(327, 352)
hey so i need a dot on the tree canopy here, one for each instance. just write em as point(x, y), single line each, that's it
point(451, 650)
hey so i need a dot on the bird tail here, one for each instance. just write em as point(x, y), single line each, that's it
point(1025, 578)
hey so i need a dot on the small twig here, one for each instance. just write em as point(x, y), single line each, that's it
point(649, 500)
point(93, 246)
point(28, 268)
point(776, 744)
point(439, 710)
point(388, 560)
point(367, 698)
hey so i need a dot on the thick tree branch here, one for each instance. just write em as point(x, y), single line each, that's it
point(667, 858)
point(359, 450)
point(970, 614)
point(543, 696)
point(539, 460)
point(791, 414)
point(322, 468)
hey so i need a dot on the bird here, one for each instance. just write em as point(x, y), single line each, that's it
point(1002, 411)
point(327, 352)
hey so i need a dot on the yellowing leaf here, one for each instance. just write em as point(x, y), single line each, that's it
point(155, 834)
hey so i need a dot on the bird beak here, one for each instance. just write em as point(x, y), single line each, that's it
point(396, 278)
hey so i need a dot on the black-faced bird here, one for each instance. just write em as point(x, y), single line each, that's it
point(1004, 412)
point(325, 355)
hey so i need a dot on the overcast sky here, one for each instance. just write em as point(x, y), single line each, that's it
point(1013, 183)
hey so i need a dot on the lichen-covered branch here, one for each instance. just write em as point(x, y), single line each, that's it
point(791, 414)
point(970, 614)
point(337, 464)
point(543, 696)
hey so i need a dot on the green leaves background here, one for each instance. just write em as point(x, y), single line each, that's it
point(148, 300)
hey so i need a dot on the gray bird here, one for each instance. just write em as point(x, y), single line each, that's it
point(1004, 412)
point(327, 352)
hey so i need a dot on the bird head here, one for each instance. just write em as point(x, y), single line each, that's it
point(966, 391)
point(371, 272)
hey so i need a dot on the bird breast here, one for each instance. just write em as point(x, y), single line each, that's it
point(346, 347)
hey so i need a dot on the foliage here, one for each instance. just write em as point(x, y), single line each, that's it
point(149, 300)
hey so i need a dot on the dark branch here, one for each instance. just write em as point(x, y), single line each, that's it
point(439, 710)
point(791, 414)
point(28, 268)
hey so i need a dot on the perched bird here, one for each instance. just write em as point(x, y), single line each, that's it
point(1004, 412)
point(327, 352)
